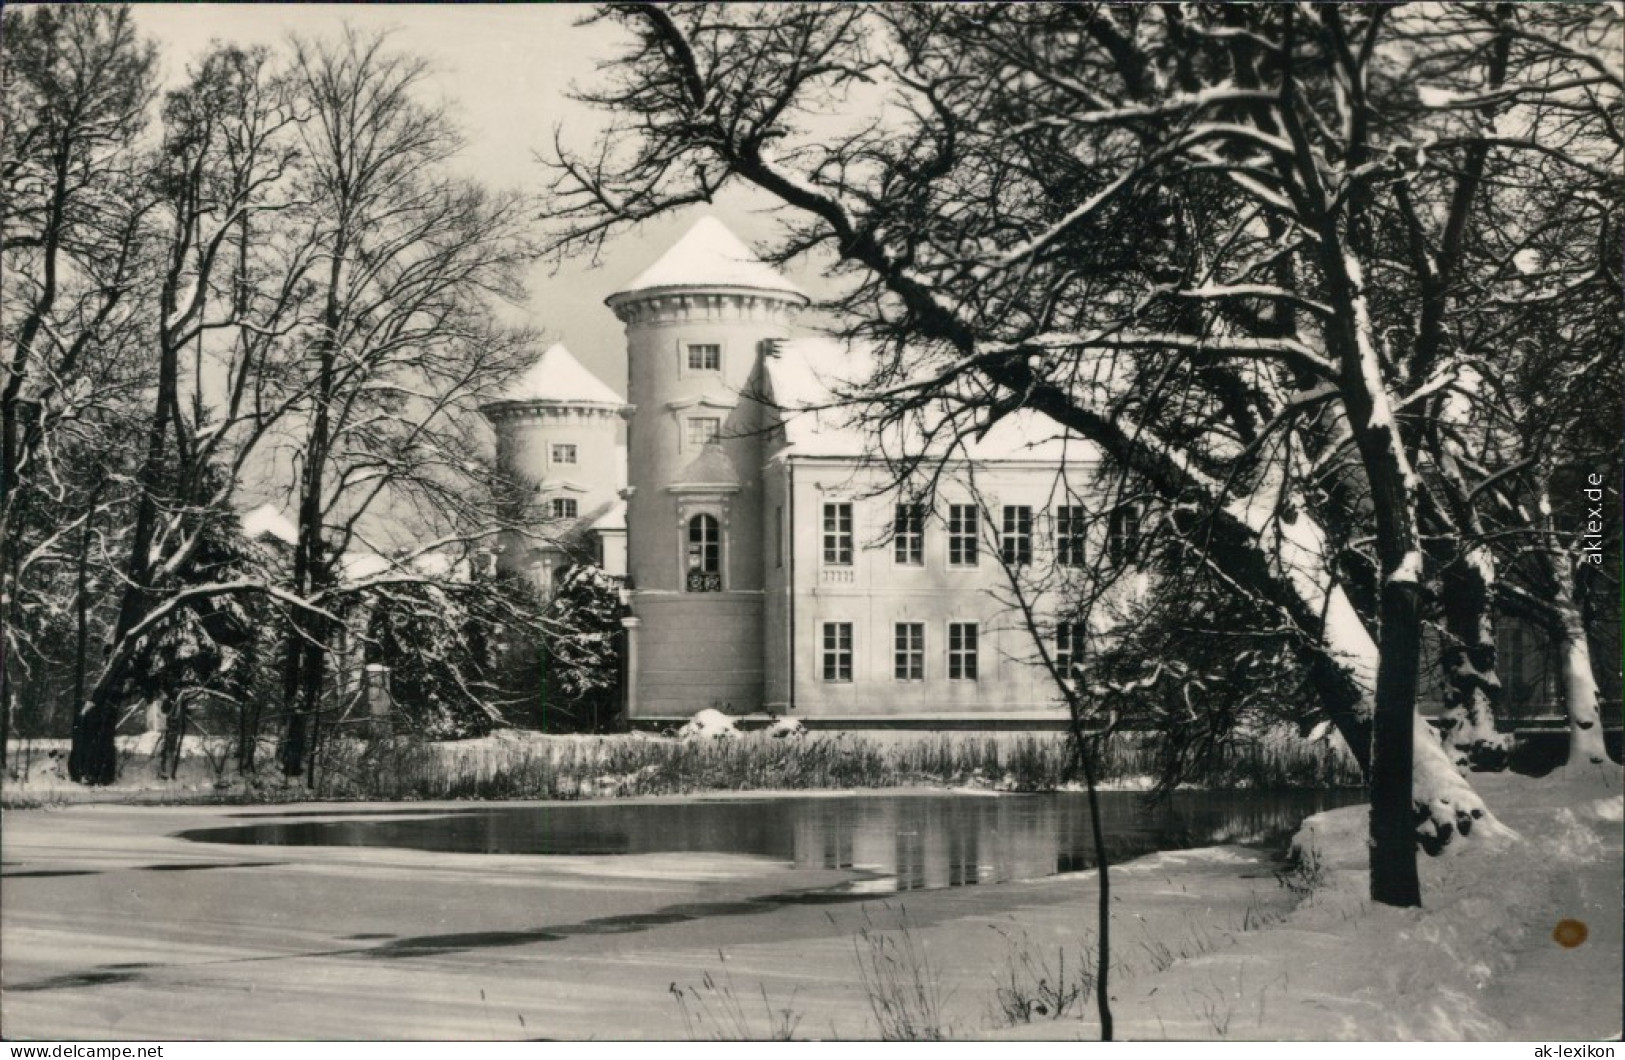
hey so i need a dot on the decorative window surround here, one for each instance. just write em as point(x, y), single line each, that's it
point(707, 406)
point(713, 499)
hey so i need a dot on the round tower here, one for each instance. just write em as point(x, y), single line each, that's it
point(697, 324)
point(556, 435)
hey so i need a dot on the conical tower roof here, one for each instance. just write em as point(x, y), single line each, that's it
point(710, 255)
point(558, 378)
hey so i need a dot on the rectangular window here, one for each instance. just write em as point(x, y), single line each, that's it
point(564, 453)
point(778, 535)
point(1016, 542)
point(1069, 638)
point(837, 651)
point(962, 530)
point(838, 533)
point(908, 535)
point(704, 357)
point(703, 430)
point(962, 651)
point(1123, 534)
point(1069, 530)
point(909, 651)
point(564, 508)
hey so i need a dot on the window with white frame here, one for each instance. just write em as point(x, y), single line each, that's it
point(908, 651)
point(837, 655)
point(703, 430)
point(564, 453)
point(704, 554)
point(1069, 644)
point(838, 533)
point(1070, 525)
point(1016, 538)
point(563, 508)
point(962, 645)
point(962, 531)
point(704, 357)
point(1123, 533)
point(908, 534)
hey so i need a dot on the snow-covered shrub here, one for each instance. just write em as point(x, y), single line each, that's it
point(1206, 674)
point(709, 724)
point(438, 644)
point(786, 728)
point(578, 688)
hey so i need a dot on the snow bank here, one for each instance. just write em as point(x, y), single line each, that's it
point(1478, 961)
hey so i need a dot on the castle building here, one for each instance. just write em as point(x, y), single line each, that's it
point(556, 431)
point(773, 564)
point(775, 558)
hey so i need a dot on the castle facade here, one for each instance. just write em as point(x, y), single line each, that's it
point(775, 561)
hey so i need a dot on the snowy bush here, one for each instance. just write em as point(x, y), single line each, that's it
point(783, 728)
point(709, 724)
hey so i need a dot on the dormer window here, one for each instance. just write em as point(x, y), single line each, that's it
point(703, 430)
point(704, 357)
point(564, 453)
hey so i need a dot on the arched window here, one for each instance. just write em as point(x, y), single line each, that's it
point(704, 554)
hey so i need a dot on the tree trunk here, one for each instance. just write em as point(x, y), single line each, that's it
point(92, 759)
point(307, 645)
point(1579, 683)
point(1472, 690)
point(1394, 879)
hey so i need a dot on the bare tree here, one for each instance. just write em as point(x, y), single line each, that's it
point(403, 342)
point(224, 162)
point(1169, 229)
point(75, 85)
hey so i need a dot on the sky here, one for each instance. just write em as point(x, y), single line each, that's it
point(505, 71)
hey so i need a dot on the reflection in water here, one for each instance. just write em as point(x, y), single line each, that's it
point(896, 842)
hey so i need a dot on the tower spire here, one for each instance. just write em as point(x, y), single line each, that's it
point(709, 256)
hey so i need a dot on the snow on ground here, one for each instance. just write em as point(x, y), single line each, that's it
point(1209, 945)
point(1492, 954)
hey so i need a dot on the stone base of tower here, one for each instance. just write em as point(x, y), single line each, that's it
point(694, 651)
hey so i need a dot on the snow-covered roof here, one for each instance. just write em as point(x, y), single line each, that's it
point(817, 384)
point(613, 518)
point(268, 521)
point(709, 255)
point(558, 377)
point(359, 566)
point(711, 467)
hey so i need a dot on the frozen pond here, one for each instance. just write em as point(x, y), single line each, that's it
point(888, 843)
